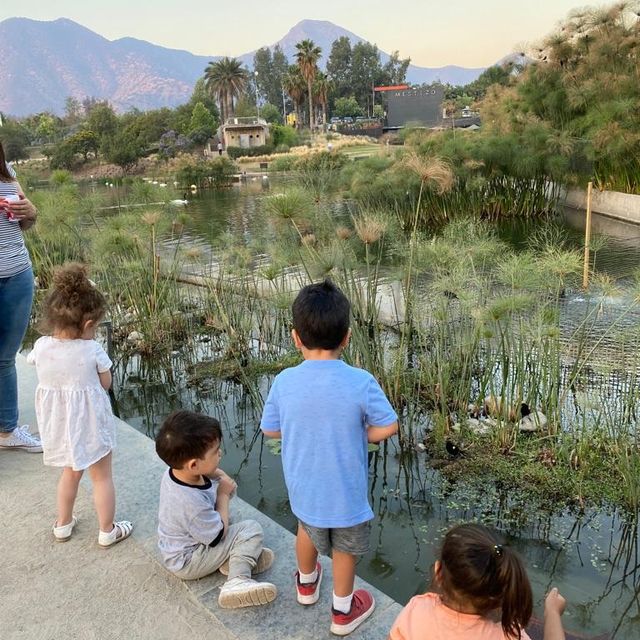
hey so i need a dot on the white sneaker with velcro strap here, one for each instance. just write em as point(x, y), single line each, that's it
point(244, 592)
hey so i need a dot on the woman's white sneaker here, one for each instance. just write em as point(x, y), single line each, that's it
point(20, 438)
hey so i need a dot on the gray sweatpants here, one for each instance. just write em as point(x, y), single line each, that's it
point(241, 545)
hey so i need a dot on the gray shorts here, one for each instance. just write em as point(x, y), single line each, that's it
point(352, 540)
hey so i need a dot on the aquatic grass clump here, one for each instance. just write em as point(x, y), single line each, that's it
point(369, 228)
point(293, 204)
point(145, 192)
point(319, 172)
point(57, 238)
point(518, 272)
point(431, 171)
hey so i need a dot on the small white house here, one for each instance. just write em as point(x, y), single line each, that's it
point(244, 132)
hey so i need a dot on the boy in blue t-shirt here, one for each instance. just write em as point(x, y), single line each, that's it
point(326, 412)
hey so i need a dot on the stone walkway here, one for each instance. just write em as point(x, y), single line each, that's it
point(52, 591)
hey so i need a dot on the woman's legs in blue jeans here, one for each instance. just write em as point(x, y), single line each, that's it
point(16, 296)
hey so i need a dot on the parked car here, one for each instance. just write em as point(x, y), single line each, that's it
point(335, 120)
point(347, 120)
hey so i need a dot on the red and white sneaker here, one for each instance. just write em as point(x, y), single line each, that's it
point(309, 593)
point(362, 606)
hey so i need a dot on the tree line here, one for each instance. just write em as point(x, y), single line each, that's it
point(302, 87)
point(90, 129)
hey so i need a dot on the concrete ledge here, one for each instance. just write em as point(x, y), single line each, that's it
point(621, 206)
point(50, 590)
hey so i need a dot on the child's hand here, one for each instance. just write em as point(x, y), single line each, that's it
point(226, 485)
point(554, 602)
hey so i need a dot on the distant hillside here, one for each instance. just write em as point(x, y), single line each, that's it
point(44, 62)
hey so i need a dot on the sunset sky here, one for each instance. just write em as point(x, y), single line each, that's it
point(465, 32)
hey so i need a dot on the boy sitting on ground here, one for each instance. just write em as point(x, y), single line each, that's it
point(326, 411)
point(194, 534)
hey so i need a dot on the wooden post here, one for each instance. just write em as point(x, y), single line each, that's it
point(587, 239)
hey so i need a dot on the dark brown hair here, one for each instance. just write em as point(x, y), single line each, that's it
point(5, 176)
point(72, 301)
point(185, 435)
point(321, 316)
point(479, 569)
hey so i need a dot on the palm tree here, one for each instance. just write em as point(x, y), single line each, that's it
point(294, 85)
point(307, 58)
point(225, 80)
point(321, 88)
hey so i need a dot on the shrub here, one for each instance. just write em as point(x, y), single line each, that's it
point(217, 172)
point(249, 152)
point(284, 135)
point(271, 113)
point(60, 177)
point(322, 161)
point(123, 151)
point(63, 157)
point(282, 163)
point(221, 170)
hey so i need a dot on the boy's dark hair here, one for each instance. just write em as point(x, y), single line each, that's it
point(476, 567)
point(321, 316)
point(185, 435)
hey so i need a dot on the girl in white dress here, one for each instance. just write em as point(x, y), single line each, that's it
point(72, 406)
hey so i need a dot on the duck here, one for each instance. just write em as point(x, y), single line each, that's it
point(453, 449)
point(531, 421)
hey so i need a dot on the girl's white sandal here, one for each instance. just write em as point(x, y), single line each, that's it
point(121, 530)
point(63, 533)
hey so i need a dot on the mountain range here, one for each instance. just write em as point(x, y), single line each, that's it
point(47, 61)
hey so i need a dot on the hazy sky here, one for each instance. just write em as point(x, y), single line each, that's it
point(471, 33)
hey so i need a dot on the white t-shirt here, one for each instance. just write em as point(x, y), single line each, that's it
point(74, 414)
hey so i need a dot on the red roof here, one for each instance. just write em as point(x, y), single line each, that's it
point(393, 87)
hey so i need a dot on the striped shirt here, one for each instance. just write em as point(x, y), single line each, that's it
point(14, 258)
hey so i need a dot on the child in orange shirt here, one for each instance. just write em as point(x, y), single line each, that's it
point(484, 594)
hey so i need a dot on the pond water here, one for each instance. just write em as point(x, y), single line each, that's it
point(592, 557)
